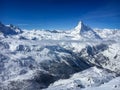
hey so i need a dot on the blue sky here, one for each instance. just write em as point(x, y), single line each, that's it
point(60, 14)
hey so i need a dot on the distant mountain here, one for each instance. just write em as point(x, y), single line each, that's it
point(85, 31)
point(9, 29)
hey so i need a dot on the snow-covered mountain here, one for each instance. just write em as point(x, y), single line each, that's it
point(81, 58)
point(85, 31)
point(9, 29)
point(91, 77)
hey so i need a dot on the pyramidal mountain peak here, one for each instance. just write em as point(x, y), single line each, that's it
point(81, 27)
point(85, 31)
point(78, 27)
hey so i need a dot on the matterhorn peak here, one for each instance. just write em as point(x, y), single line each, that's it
point(85, 31)
point(79, 26)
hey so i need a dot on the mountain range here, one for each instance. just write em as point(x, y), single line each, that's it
point(78, 59)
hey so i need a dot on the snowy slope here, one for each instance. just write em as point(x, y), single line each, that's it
point(35, 59)
point(9, 29)
point(91, 77)
point(112, 85)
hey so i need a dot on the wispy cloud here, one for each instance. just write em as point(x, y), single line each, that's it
point(110, 10)
point(23, 24)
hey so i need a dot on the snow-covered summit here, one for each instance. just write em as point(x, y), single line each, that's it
point(81, 27)
point(85, 31)
point(9, 29)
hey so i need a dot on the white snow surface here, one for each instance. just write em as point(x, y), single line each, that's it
point(79, 59)
point(91, 77)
